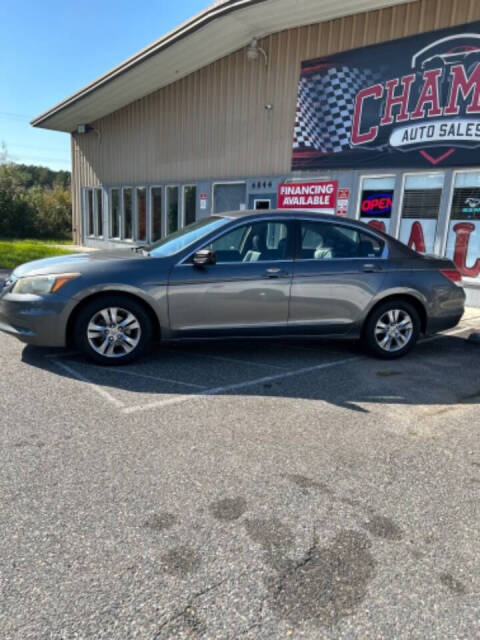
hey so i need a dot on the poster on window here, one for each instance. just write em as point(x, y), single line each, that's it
point(413, 102)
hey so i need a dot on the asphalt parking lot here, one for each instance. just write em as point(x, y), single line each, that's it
point(257, 490)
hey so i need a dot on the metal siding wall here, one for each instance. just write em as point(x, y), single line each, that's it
point(213, 123)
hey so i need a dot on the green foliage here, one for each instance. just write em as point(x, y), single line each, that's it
point(34, 202)
point(15, 252)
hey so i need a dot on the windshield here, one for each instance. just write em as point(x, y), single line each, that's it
point(182, 238)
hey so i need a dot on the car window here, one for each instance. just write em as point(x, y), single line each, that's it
point(257, 241)
point(325, 241)
point(183, 238)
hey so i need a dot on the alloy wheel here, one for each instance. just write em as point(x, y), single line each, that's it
point(113, 332)
point(394, 330)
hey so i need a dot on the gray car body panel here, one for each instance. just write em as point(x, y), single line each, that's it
point(329, 297)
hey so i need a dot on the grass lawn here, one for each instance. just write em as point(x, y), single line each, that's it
point(15, 252)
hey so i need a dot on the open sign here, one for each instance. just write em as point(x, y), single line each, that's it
point(377, 204)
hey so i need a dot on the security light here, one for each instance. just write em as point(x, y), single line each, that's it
point(253, 51)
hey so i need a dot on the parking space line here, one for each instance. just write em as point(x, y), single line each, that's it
point(239, 385)
point(149, 377)
point(95, 387)
point(235, 360)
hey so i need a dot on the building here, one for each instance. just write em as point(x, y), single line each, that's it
point(364, 108)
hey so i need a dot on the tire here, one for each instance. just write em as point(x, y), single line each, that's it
point(113, 330)
point(391, 330)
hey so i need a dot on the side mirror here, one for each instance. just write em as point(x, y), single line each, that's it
point(203, 257)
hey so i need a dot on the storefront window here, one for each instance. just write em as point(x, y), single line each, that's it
point(115, 213)
point(89, 212)
point(172, 209)
point(376, 201)
point(156, 213)
point(127, 213)
point(421, 204)
point(99, 211)
point(141, 213)
point(463, 244)
point(189, 204)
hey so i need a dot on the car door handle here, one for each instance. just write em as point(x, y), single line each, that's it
point(371, 268)
point(275, 272)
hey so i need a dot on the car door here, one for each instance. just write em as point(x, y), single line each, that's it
point(338, 269)
point(245, 292)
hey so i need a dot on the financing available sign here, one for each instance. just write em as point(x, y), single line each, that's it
point(320, 196)
point(413, 102)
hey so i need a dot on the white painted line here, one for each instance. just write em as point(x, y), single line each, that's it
point(95, 387)
point(149, 377)
point(239, 385)
point(225, 359)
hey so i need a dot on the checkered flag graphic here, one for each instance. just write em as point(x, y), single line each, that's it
point(325, 105)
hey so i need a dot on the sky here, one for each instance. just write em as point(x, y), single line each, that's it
point(51, 48)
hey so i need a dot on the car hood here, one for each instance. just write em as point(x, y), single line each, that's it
point(75, 262)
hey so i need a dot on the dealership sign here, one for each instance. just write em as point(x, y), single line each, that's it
point(412, 102)
point(308, 195)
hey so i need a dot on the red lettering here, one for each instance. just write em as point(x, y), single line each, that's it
point(400, 99)
point(378, 224)
point(417, 239)
point(375, 92)
point(462, 240)
point(429, 95)
point(465, 86)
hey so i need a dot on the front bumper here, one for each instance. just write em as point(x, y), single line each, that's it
point(37, 320)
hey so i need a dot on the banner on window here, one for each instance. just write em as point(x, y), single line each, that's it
point(412, 102)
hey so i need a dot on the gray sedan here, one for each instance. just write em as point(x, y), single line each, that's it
point(241, 274)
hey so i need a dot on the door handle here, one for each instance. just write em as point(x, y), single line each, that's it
point(371, 268)
point(275, 272)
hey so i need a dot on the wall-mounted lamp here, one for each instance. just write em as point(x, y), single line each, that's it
point(253, 51)
point(83, 128)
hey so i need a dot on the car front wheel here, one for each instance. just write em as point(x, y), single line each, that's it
point(113, 330)
point(392, 329)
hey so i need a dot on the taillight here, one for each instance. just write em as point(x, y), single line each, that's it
point(452, 274)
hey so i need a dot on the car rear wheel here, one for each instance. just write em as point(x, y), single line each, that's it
point(392, 329)
point(113, 330)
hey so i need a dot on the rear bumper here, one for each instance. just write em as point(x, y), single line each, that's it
point(37, 320)
point(448, 310)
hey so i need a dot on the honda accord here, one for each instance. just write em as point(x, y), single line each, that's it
point(240, 274)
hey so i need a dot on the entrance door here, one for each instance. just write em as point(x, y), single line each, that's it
point(337, 271)
point(245, 292)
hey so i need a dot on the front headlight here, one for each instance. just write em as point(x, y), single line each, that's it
point(40, 285)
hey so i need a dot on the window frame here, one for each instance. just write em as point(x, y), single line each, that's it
point(162, 211)
point(165, 207)
point(337, 223)
point(135, 215)
point(93, 210)
point(183, 216)
point(124, 239)
point(373, 176)
point(110, 213)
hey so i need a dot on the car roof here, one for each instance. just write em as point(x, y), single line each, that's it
point(245, 213)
